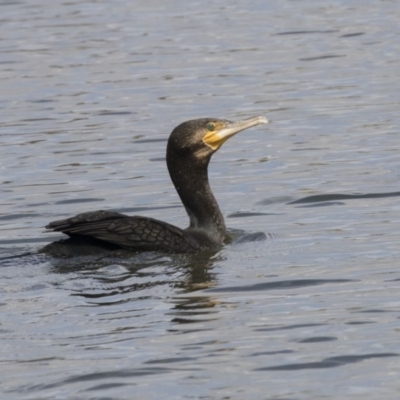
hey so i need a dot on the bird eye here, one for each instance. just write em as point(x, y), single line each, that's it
point(210, 127)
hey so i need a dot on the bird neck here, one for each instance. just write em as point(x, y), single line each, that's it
point(190, 178)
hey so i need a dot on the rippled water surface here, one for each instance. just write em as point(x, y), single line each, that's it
point(90, 92)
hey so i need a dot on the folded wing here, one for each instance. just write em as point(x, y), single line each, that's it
point(132, 233)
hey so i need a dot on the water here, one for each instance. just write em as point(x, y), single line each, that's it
point(91, 90)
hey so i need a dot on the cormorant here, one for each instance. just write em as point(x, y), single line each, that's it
point(189, 150)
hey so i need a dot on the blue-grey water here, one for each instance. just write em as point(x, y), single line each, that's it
point(90, 91)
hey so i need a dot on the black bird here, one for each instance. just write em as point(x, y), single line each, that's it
point(189, 150)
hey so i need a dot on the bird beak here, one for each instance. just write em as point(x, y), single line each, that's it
point(218, 137)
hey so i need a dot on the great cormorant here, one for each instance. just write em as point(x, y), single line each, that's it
point(189, 150)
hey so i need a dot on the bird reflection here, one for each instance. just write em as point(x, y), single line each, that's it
point(112, 278)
